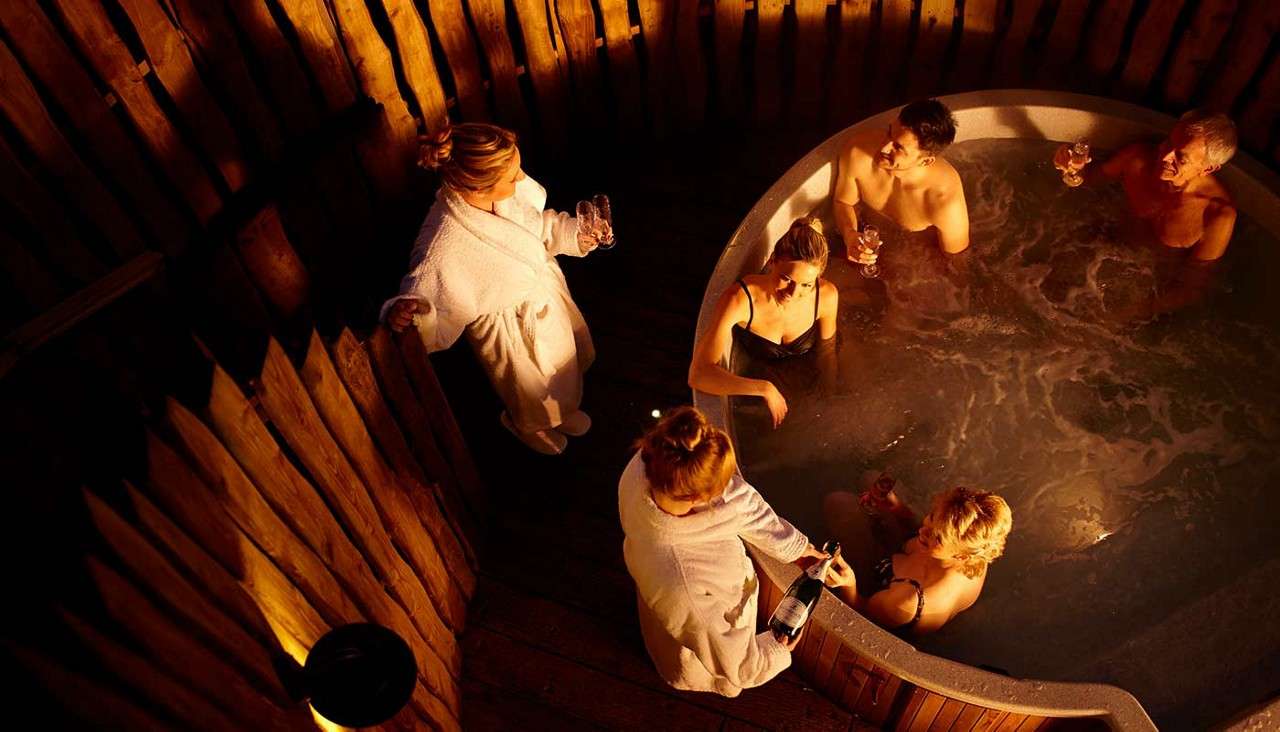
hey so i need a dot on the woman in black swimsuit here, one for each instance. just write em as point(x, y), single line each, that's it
point(785, 312)
point(939, 571)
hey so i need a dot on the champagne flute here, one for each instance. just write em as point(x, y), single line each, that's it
point(869, 240)
point(604, 221)
point(1079, 158)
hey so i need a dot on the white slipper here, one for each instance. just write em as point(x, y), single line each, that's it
point(547, 442)
point(575, 425)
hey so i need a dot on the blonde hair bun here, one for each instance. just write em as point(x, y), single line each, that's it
point(813, 222)
point(435, 150)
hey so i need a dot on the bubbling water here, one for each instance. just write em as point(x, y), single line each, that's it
point(1138, 448)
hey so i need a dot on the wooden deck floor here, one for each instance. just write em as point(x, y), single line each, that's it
point(553, 641)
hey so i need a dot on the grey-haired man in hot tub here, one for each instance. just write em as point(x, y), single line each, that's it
point(899, 172)
point(1171, 185)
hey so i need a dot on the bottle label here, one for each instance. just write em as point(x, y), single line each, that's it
point(791, 612)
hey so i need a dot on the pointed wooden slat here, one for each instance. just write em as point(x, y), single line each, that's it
point(1105, 37)
point(289, 89)
point(1261, 115)
point(284, 398)
point(319, 42)
point(1150, 42)
point(97, 40)
point(61, 243)
point(1009, 68)
point(272, 264)
point(490, 19)
point(207, 30)
point(307, 571)
point(247, 438)
point(175, 651)
point(657, 25)
point(892, 39)
point(849, 93)
point(429, 556)
point(184, 600)
point(811, 85)
point(768, 74)
point(172, 697)
point(172, 63)
point(83, 698)
point(52, 62)
point(416, 422)
point(448, 434)
point(450, 23)
point(930, 50)
point(729, 18)
point(25, 111)
point(416, 60)
point(1242, 55)
point(692, 73)
point(980, 21)
point(1196, 49)
point(1064, 40)
point(577, 23)
point(545, 69)
point(356, 370)
point(624, 69)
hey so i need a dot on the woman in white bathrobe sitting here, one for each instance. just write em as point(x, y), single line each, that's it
point(686, 512)
point(485, 264)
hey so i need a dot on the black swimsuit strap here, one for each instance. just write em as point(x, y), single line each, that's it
point(919, 599)
point(817, 291)
point(751, 307)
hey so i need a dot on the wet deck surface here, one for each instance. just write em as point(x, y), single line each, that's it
point(553, 641)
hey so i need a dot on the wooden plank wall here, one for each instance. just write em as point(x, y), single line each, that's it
point(262, 517)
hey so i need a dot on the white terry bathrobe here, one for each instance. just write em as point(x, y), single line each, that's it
point(494, 276)
point(697, 588)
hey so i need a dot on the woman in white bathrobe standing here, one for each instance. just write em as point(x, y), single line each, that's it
point(685, 514)
point(484, 264)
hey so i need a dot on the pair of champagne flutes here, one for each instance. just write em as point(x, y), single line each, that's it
point(1079, 158)
point(595, 218)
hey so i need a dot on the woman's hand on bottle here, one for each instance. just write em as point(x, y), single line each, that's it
point(841, 574)
point(812, 555)
point(789, 643)
point(401, 314)
point(776, 402)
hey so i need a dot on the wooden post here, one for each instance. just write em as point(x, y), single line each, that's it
point(930, 50)
point(848, 85)
point(113, 62)
point(657, 23)
point(624, 71)
point(20, 103)
point(577, 24)
point(1105, 36)
point(688, 58)
point(490, 18)
point(272, 263)
point(416, 422)
point(319, 42)
point(174, 67)
point(285, 400)
point(768, 72)
point(429, 557)
point(1150, 41)
point(450, 22)
point(420, 69)
point(352, 362)
point(545, 70)
point(1261, 115)
point(1196, 50)
point(52, 63)
point(979, 31)
point(1009, 66)
point(1064, 40)
point(892, 40)
point(59, 238)
point(811, 86)
point(1242, 55)
point(192, 607)
point(163, 691)
point(176, 652)
point(729, 17)
point(288, 84)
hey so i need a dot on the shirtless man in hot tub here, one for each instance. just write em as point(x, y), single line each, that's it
point(1171, 185)
point(898, 172)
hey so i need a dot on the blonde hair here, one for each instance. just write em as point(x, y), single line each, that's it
point(803, 242)
point(971, 527)
point(686, 458)
point(1218, 131)
point(470, 156)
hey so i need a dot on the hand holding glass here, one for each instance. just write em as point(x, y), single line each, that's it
point(869, 240)
point(1079, 157)
point(595, 221)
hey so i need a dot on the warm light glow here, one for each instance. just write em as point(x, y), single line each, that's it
point(325, 724)
point(655, 414)
point(1102, 536)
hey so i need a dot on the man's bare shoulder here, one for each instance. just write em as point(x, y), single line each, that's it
point(860, 149)
point(943, 183)
point(1219, 197)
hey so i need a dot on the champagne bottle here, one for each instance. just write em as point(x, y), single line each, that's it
point(802, 596)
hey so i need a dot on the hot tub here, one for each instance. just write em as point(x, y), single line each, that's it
point(1139, 453)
